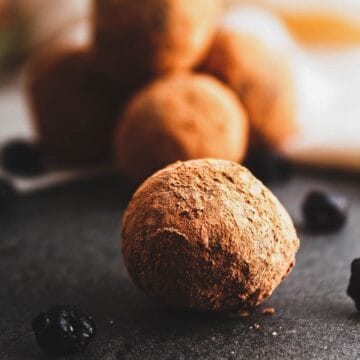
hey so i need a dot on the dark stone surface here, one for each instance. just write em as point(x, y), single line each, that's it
point(62, 246)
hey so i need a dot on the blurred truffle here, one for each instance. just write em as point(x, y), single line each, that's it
point(135, 40)
point(4, 13)
point(261, 77)
point(75, 107)
point(207, 235)
point(180, 117)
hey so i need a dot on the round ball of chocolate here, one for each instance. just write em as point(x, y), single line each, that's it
point(207, 235)
point(180, 117)
point(261, 77)
point(135, 40)
point(74, 106)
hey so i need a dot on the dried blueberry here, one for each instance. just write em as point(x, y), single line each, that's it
point(268, 165)
point(63, 330)
point(354, 285)
point(325, 213)
point(22, 158)
point(7, 193)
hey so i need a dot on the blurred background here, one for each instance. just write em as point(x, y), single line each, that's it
point(323, 47)
point(25, 28)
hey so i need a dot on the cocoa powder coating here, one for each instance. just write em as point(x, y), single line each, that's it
point(179, 117)
point(74, 106)
point(261, 78)
point(137, 40)
point(207, 235)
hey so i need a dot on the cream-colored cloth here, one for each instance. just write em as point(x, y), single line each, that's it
point(327, 91)
point(331, 22)
point(48, 18)
point(347, 8)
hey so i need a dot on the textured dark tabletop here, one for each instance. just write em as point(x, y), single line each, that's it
point(62, 246)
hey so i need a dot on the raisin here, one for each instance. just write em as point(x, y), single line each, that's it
point(354, 285)
point(7, 193)
point(63, 330)
point(324, 212)
point(268, 165)
point(22, 158)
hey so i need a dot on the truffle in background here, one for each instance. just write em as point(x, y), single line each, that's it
point(262, 79)
point(180, 117)
point(207, 235)
point(137, 40)
point(74, 106)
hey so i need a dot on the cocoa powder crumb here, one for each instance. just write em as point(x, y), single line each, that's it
point(268, 311)
point(244, 313)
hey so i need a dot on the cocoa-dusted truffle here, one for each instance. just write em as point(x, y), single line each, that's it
point(261, 77)
point(135, 40)
point(180, 117)
point(206, 234)
point(74, 106)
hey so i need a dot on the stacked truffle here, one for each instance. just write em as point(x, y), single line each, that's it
point(134, 93)
point(204, 234)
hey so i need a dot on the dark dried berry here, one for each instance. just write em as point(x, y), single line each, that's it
point(268, 165)
point(22, 158)
point(354, 285)
point(7, 193)
point(325, 213)
point(63, 330)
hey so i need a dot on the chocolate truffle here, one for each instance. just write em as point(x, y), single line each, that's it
point(74, 106)
point(207, 235)
point(179, 117)
point(135, 40)
point(261, 77)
